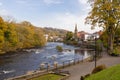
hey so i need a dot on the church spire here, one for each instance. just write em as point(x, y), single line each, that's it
point(75, 27)
point(75, 32)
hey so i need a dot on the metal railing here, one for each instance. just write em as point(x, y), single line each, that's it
point(46, 66)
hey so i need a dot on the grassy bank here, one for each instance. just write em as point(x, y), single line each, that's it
point(112, 73)
point(48, 77)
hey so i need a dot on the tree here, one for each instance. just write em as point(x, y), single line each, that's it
point(15, 36)
point(69, 36)
point(104, 39)
point(10, 37)
point(106, 14)
point(29, 35)
point(2, 30)
point(117, 37)
point(39, 38)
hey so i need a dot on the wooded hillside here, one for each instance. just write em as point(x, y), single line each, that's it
point(15, 36)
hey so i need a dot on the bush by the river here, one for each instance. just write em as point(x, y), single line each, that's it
point(59, 48)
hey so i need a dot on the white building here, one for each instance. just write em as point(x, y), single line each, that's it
point(46, 36)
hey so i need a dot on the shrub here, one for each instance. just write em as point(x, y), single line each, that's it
point(75, 42)
point(59, 48)
point(98, 68)
point(82, 78)
point(87, 75)
point(116, 51)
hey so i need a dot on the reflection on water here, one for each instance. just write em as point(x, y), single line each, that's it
point(84, 53)
point(22, 62)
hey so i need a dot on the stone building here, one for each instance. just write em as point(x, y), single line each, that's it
point(75, 33)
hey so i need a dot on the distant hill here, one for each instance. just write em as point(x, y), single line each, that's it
point(54, 31)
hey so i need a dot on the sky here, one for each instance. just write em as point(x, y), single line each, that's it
point(63, 14)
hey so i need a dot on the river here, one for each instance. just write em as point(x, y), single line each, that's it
point(22, 62)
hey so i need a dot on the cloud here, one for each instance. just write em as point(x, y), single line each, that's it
point(86, 10)
point(4, 12)
point(85, 7)
point(52, 1)
point(21, 1)
point(67, 18)
point(59, 20)
point(1, 3)
point(83, 1)
point(66, 21)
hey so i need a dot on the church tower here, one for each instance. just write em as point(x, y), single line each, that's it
point(75, 32)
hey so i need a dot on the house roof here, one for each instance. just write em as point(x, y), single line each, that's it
point(99, 32)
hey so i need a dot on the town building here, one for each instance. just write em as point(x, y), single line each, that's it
point(83, 36)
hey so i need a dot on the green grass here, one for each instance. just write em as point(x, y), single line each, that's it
point(48, 77)
point(112, 73)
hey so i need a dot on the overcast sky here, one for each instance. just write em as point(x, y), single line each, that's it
point(63, 14)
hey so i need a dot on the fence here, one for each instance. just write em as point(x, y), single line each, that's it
point(45, 67)
point(56, 65)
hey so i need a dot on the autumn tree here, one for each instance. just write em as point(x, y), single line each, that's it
point(29, 35)
point(10, 37)
point(39, 38)
point(15, 36)
point(106, 14)
point(2, 29)
point(69, 36)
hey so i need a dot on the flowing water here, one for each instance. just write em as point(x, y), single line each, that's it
point(22, 62)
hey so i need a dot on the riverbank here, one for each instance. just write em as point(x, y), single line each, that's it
point(85, 68)
point(20, 63)
point(19, 51)
point(54, 69)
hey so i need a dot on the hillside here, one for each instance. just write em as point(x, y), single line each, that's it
point(54, 31)
point(16, 36)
